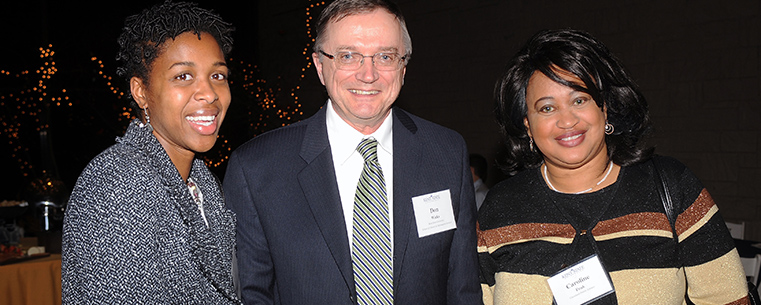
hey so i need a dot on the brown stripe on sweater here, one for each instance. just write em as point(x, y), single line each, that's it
point(524, 231)
point(633, 222)
point(695, 212)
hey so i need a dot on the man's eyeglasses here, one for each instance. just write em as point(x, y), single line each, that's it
point(352, 60)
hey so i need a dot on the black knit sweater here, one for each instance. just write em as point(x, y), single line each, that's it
point(528, 232)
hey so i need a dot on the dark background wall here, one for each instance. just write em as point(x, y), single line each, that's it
point(697, 63)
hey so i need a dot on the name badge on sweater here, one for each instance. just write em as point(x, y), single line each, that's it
point(581, 283)
point(433, 213)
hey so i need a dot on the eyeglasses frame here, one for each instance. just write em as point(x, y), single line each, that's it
point(362, 61)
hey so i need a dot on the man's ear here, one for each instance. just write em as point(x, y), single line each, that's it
point(318, 66)
point(138, 89)
point(404, 72)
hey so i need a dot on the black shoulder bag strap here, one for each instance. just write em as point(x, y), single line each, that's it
point(663, 191)
point(668, 205)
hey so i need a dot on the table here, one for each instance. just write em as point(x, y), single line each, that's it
point(36, 281)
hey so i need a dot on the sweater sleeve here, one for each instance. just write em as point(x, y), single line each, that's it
point(487, 268)
point(711, 263)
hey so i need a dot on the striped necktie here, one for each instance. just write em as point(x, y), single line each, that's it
point(371, 255)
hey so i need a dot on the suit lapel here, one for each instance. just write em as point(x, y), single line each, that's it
point(318, 183)
point(407, 152)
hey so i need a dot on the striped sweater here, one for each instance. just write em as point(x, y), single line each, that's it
point(527, 233)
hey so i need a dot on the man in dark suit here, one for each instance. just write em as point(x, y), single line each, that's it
point(302, 192)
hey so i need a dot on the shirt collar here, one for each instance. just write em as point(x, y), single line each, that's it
point(344, 138)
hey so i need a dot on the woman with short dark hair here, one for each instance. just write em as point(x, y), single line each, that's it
point(146, 222)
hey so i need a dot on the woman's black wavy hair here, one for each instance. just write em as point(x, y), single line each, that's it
point(143, 35)
point(604, 78)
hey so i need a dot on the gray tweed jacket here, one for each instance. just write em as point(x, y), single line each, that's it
point(132, 233)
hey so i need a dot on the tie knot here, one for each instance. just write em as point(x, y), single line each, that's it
point(369, 149)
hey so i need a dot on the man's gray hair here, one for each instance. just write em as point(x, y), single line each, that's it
point(342, 8)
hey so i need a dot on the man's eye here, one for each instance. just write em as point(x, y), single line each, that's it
point(346, 56)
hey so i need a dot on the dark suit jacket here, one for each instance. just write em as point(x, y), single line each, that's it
point(293, 247)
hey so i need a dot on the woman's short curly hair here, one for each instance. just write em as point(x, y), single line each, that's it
point(143, 35)
point(604, 78)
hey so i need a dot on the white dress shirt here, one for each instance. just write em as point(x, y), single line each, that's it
point(348, 163)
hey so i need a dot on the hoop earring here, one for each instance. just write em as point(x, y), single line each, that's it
point(609, 128)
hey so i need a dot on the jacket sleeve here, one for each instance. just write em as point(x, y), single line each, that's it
point(255, 266)
point(100, 263)
point(463, 287)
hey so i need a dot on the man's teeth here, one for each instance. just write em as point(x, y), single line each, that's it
point(363, 92)
point(572, 137)
point(205, 120)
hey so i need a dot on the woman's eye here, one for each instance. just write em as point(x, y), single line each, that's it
point(184, 77)
point(219, 76)
point(580, 100)
point(545, 109)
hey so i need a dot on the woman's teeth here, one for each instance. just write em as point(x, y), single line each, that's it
point(206, 120)
point(572, 137)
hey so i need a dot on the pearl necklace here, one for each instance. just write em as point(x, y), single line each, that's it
point(547, 178)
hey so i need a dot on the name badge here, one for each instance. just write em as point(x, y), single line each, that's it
point(433, 213)
point(581, 283)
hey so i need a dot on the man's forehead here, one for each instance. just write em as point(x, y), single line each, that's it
point(378, 30)
point(353, 48)
point(340, 16)
point(364, 17)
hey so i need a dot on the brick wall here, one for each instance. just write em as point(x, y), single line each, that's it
point(696, 61)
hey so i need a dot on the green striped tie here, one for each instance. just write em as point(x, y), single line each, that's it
point(371, 255)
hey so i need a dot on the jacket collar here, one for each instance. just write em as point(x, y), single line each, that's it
point(211, 247)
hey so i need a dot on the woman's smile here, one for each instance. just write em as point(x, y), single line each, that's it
point(571, 139)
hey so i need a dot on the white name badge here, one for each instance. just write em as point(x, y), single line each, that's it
point(433, 213)
point(581, 283)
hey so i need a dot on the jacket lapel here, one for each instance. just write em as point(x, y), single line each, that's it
point(204, 242)
point(214, 241)
point(318, 183)
point(406, 154)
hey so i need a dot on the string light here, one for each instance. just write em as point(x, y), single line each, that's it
point(273, 107)
point(29, 105)
point(125, 116)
